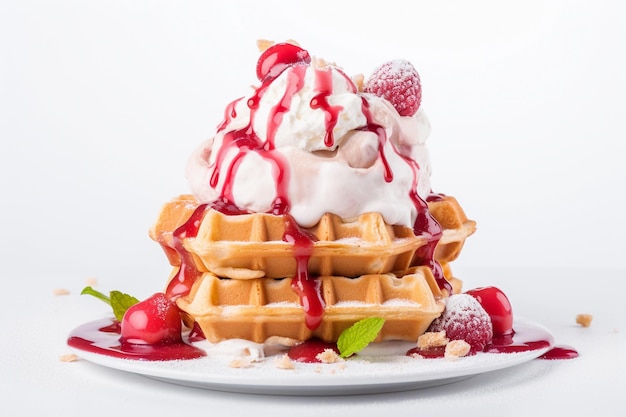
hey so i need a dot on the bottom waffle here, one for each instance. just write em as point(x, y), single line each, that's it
point(257, 309)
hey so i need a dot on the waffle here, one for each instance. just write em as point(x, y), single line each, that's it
point(363, 267)
point(251, 246)
point(257, 309)
point(456, 227)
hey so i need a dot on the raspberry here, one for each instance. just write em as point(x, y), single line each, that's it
point(465, 319)
point(398, 82)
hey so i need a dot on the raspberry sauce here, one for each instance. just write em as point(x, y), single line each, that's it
point(103, 337)
point(187, 274)
point(309, 350)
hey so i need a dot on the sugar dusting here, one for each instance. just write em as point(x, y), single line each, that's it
point(383, 361)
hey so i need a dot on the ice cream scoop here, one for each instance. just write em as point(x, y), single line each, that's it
point(307, 141)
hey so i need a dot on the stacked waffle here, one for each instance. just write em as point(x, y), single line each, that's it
point(360, 268)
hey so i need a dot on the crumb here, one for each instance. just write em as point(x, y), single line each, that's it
point(263, 44)
point(359, 81)
point(284, 363)
point(281, 341)
point(91, 281)
point(584, 319)
point(319, 63)
point(70, 357)
point(329, 356)
point(456, 349)
point(60, 291)
point(432, 339)
point(416, 356)
point(240, 363)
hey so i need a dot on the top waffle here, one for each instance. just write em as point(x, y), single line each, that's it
point(251, 246)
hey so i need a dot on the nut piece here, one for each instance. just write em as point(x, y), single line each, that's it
point(69, 357)
point(432, 339)
point(584, 319)
point(456, 349)
point(329, 356)
point(284, 363)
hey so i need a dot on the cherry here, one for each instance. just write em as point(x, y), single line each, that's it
point(155, 320)
point(497, 305)
point(275, 59)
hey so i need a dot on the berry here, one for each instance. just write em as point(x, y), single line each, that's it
point(497, 305)
point(278, 57)
point(465, 319)
point(398, 82)
point(152, 321)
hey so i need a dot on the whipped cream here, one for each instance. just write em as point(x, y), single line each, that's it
point(309, 142)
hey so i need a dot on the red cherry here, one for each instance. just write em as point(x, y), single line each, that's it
point(152, 321)
point(497, 305)
point(275, 59)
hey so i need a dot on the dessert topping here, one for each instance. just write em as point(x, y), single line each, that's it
point(398, 82)
point(152, 321)
point(465, 319)
point(278, 57)
point(359, 335)
point(497, 305)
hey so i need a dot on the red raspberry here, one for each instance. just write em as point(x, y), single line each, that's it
point(399, 83)
point(465, 319)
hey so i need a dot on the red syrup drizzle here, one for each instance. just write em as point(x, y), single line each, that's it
point(324, 84)
point(307, 288)
point(246, 140)
point(187, 274)
point(425, 224)
point(103, 337)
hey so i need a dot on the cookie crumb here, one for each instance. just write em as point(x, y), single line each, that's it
point(329, 356)
point(456, 349)
point(359, 81)
point(91, 281)
point(432, 339)
point(61, 291)
point(69, 357)
point(584, 319)
point(240, 363)
point(285, 363)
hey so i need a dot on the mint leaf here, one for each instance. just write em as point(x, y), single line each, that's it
point(118, 301)
point(121, 302)
point(359, 335)
point(97, 294)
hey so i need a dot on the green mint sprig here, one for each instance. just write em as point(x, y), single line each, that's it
point(356, 337)
point(118, 301)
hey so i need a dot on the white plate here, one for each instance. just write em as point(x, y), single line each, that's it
point(370, 372)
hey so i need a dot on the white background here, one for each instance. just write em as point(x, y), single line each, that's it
point(102, 102)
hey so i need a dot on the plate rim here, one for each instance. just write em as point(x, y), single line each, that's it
point(310, 382)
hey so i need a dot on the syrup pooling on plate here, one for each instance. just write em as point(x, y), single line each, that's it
point(103, 337)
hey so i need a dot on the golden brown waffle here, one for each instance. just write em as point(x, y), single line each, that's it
point(257, 309)
point(251, 246)
point(456, 229)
